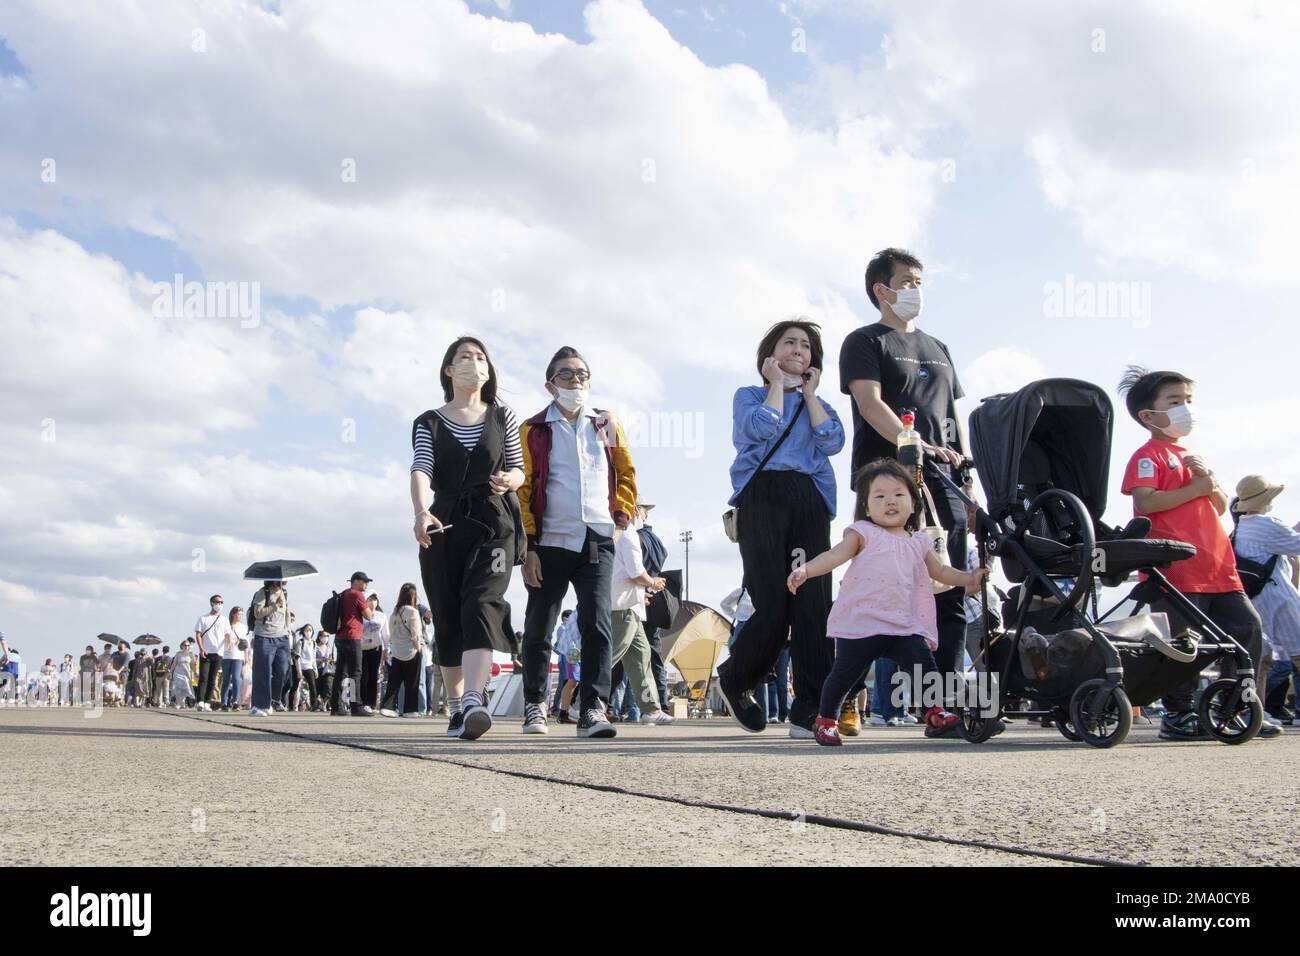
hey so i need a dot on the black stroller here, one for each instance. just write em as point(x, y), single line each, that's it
point(1043, 456)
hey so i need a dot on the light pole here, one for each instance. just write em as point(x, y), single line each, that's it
point(687, 537)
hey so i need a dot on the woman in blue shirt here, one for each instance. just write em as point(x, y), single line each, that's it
point(784, 514)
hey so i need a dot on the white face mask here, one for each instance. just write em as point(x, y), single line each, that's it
point(908, 306)
point(571, 399)
point(1181, 421)
point(792, 381)
point(469, 374)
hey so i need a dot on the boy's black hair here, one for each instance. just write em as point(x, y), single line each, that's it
point(892, 468)
point(565, 352)
point(1140, 386)
point(882, 265)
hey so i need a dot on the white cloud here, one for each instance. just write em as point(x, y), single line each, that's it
point(618, 184)
point(1000, 370)
point(1155, 127)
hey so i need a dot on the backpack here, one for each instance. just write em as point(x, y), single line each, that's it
point(1254, 575)
point(330, 613)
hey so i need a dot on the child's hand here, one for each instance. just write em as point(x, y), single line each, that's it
point(1196, 464)
point(797, 577)
point(975, 579)
point(1202, 484)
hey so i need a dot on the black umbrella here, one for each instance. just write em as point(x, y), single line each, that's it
point(109, 638)
point(148, 639)
point(278, 570)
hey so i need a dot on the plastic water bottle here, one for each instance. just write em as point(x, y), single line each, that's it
point(910, 448)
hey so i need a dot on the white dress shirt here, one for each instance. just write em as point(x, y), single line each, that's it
point(577, 486)
point(625, 593)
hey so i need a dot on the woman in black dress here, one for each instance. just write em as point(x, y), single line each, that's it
point(467, 456)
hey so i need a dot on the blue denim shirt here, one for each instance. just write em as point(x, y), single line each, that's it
point(756, 427)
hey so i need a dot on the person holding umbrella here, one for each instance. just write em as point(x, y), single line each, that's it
point(270, 647)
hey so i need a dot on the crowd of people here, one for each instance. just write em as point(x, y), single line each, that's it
point(557, 496)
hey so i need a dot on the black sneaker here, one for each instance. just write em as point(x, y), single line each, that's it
point(1184, 726)
point(594, 724)
point(741, 704)
point(456, 725)
point(476, 718)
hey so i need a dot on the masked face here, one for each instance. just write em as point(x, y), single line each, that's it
point(469, 374)
point(1181, 420)
point(571, 399)
point(908, 304)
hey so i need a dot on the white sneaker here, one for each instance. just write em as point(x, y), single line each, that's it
point(410, 714)
point(388, 712)
point(878, 721)
point(907, 719)
point(801, 733)
point(659, 719)
point(258, 712)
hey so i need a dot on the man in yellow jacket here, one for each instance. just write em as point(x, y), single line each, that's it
point(579, 486)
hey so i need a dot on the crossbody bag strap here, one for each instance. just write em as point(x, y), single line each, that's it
point(768, 457)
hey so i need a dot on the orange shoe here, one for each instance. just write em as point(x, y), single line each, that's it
point(828, 734)
point(850, 722)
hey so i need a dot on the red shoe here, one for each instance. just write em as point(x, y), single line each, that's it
point(828, 732)
point(941, 723)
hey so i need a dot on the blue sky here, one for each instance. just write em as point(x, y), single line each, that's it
point(493, 159)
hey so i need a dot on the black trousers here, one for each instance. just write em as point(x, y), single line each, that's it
point(783, 518)
point(589, 571)
point(309, 681)
point(370, 676)
point(209, 668)
point(323, 683)
point(347, 663)
point(290, 685)
point(404, 674)
point(1233, 612)
point(465, 575)
point(853, 658)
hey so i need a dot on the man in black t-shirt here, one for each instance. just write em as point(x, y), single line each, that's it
point(892, 366)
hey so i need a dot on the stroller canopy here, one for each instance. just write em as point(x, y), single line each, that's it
point(1053, 433)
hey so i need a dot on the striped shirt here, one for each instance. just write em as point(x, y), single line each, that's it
point(1258, 538)
point(468, 436)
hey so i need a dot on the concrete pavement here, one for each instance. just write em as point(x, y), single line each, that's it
point(139, 786)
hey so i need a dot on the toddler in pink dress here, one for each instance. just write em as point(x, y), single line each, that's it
point(885, 607)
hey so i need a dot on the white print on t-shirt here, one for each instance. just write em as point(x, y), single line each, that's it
point(1146, 468)
point(916, 361)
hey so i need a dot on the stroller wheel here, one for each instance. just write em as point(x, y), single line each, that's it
point(1229, 713)
point(1062, 720)
point(1100, 713)
point(974, 728)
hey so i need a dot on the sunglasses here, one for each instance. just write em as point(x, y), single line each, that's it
point(573, 375)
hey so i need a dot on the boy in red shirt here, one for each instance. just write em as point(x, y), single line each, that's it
point(1179, 493)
